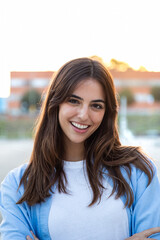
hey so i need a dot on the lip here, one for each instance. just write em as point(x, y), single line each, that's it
point(78, 129)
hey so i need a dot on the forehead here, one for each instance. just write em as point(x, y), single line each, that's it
point(89, 87)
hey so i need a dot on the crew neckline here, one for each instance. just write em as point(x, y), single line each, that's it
point(73, 164)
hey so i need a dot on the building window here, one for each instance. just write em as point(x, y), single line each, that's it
point(39, 82)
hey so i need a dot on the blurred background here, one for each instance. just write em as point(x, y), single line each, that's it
point(38, 36)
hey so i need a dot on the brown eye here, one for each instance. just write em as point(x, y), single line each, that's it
point(73, 101)
point(97, 106)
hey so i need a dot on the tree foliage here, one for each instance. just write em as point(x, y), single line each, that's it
point(126, 92)
point(118, 65)
point(155, 91)
point(31, 100)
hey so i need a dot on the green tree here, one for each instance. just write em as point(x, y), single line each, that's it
point(126, 92)
point(155, 91)
point(31, 100)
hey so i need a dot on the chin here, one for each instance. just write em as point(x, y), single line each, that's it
point(77, 141)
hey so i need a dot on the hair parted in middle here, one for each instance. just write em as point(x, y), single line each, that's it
point(103, 149)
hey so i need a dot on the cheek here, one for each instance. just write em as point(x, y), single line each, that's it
point(65, 112)
point(97, 119)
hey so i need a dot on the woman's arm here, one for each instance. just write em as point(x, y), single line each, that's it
point(138, 236)
point(143, 235)
point(16, 223)
point(34, 237)
point(146, 206)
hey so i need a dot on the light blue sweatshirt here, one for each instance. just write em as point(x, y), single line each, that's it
point(20, 219)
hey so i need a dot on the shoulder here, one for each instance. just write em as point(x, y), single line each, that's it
point(136, 172)
point(139, 181)
point(14, 176)
point(10, 192)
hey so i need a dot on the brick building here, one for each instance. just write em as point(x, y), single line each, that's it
point(139, 82)
point(22, 82)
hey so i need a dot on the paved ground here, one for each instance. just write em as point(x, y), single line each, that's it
point(15, 152)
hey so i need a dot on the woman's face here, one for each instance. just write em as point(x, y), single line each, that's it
point(82, 112)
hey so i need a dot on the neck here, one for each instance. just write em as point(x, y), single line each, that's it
point(74, 152)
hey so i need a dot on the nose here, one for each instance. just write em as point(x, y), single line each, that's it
point(83, 113)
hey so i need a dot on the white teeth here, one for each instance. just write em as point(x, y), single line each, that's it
point(79, 125)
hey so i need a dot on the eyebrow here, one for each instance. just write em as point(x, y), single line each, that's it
point(96, 100)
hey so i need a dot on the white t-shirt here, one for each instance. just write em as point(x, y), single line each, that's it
point(70, 218)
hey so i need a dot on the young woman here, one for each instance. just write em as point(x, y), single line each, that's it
point(81, 183)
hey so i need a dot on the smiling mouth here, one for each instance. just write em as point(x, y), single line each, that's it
point(80, 126)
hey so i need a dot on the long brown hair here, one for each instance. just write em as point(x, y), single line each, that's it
point(103, 150)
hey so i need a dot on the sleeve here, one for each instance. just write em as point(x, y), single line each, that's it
point(146, 207)
point(16, 218)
